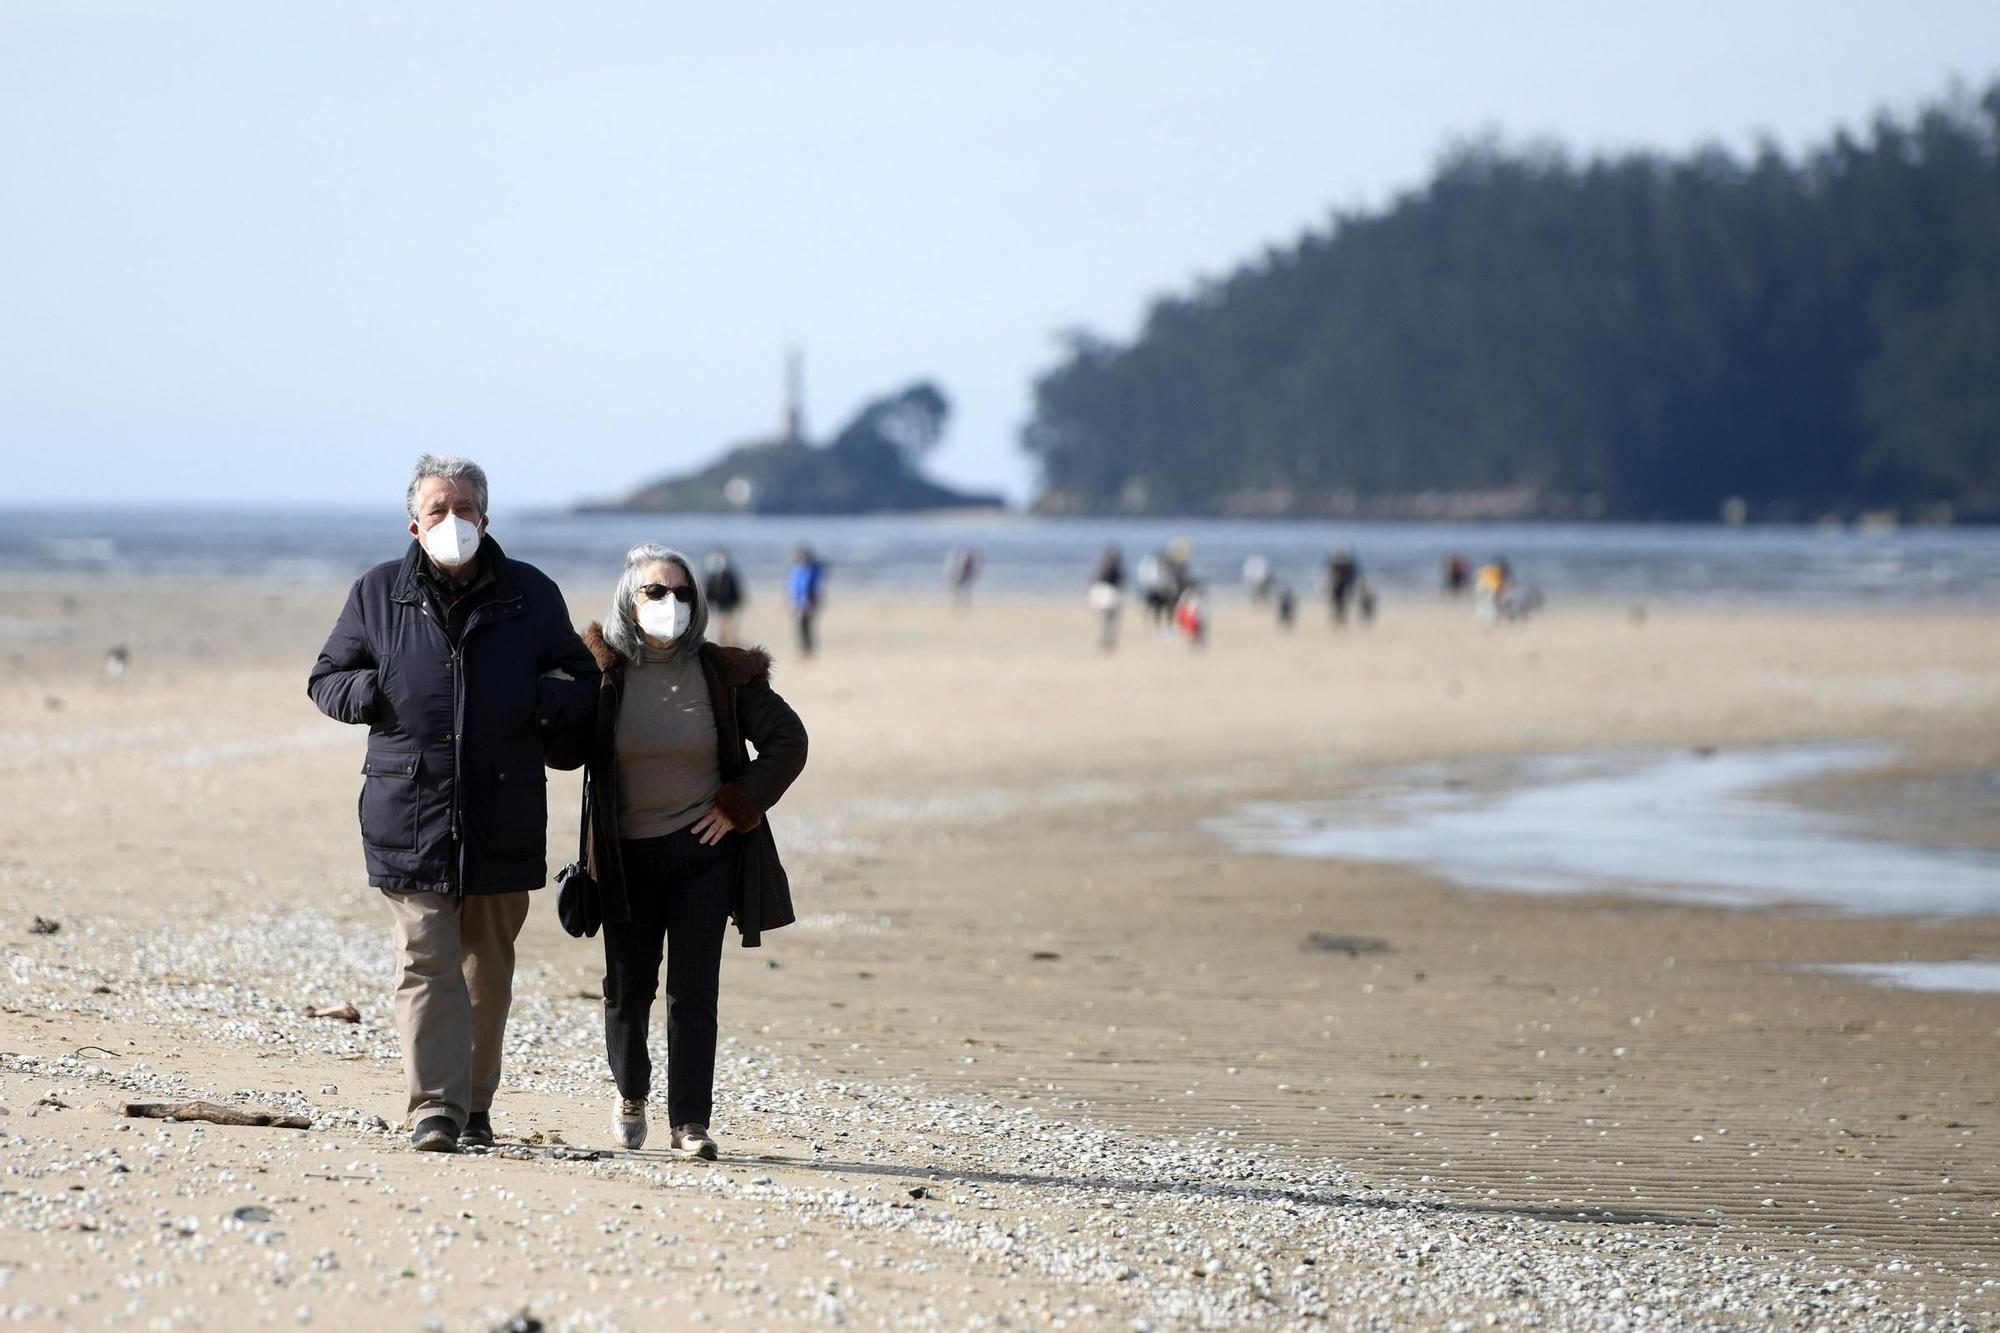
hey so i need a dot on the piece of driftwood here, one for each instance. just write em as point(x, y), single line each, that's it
point(1351, 945)
point(567, 1154)
point(214, 1114)
point(346, 1013)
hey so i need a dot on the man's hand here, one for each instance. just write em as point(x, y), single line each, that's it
point(711, 826)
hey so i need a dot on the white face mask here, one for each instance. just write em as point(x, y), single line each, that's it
point(666, 619)
point(452, 541)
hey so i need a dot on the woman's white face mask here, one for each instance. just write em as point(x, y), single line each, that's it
point(666, 619)
point(451, 541)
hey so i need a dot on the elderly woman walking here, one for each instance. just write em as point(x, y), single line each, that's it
point(674, 829)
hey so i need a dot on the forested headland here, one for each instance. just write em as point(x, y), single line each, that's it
point(1638, 336)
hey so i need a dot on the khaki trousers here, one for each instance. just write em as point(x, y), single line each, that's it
point(454, 985)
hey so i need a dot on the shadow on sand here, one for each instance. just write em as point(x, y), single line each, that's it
point(1184, 1189)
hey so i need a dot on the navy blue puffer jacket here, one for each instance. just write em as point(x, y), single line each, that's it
point(453, 796)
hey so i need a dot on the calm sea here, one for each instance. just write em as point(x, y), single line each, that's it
point(1627, 561)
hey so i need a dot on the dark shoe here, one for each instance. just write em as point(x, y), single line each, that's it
point(478, 1131)
point(435, 1133)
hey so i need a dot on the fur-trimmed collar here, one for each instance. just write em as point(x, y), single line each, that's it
point(593, 639)
point(739, 666)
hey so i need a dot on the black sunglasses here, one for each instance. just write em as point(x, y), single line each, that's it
point(653, 592)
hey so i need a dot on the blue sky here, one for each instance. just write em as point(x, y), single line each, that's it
point(266, 253)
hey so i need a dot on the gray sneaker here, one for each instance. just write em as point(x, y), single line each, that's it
point(694, 1141)
point(628, 1123)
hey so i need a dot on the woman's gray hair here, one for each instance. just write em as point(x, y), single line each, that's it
point(621, 626)
point(446, 467)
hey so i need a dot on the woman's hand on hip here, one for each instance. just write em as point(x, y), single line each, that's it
point(711, 826)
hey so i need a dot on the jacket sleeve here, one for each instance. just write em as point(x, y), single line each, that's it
point(563, 705)
point(568, 748)
point(343, 681)
point(768, 723)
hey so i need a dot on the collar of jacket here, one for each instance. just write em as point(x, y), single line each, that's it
point(732, 667)
point(408, 587)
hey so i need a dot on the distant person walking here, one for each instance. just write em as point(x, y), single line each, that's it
point(1343, 571)
point(1492, 591)
point(1191, 615)
point(1177, 565)
point(1156, 589)
point(803, 584)
point(675, 834)
point(1457, 574)
point(1497, 595)
point(723, 586)
point(961, 571)
point(1259, 579)
point(1489, 589)
point(446, 656)
point(1106, 596)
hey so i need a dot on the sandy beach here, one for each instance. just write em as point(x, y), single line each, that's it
point(1047, 1048)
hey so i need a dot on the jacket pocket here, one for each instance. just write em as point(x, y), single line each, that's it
point(517, 822)
point(388, 804)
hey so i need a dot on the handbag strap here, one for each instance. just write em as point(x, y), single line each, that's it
point(583, 821)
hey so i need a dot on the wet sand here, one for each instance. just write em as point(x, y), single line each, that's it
point(1031, 983)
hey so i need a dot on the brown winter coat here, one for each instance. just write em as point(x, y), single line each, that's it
point(747, 709)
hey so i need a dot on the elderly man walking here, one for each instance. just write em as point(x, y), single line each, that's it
point(458, 660)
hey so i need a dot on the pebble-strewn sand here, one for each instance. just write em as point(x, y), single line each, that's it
point(1041, 1052)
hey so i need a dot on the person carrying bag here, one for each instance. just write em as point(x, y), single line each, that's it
point(674, 838)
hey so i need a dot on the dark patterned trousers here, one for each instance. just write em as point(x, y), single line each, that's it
point(680, 893)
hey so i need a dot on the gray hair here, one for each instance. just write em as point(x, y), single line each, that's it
point(621, 626)
point(446, 467)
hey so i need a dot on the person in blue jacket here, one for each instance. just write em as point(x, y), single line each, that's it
point(459, 661)
point(802, 584)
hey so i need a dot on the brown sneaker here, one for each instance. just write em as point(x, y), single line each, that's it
point(693, 1140)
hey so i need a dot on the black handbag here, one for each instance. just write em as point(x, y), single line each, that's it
point(579, 905)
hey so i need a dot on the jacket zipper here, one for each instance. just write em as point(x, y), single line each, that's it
point(477, 617)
